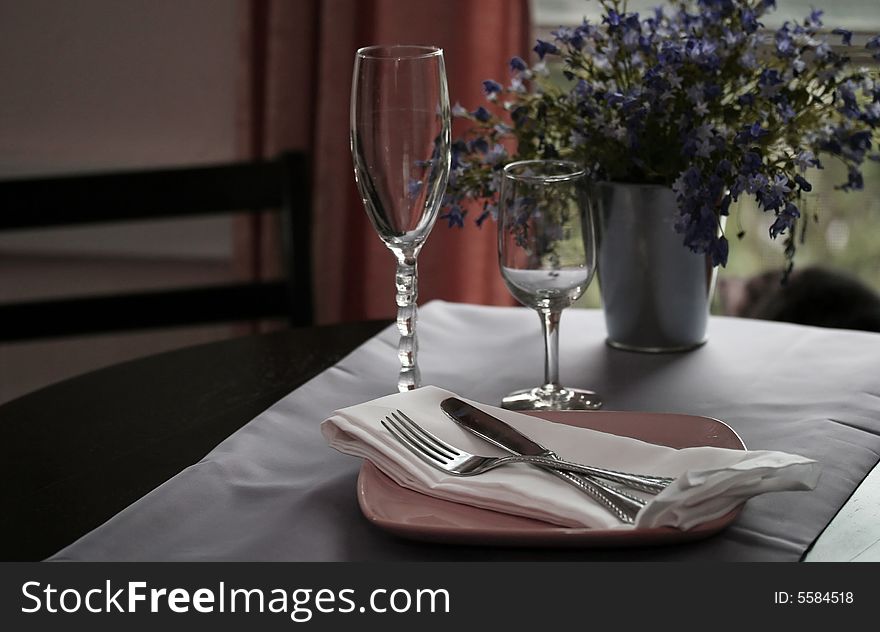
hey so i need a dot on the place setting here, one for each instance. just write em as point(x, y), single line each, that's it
point(549, 466)
point(692, 490)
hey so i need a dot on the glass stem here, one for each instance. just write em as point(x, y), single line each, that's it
point(550, 326)
point(406, 281)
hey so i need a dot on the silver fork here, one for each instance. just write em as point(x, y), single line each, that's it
point(458, 462)
point(625, 506)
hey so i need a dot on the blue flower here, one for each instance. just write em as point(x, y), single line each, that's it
point(770, 82)
point(479, 144)
point(545, 48)
point(612, 19)
point(871, 114)
point(802, 183)
point(481, 114)
point(751, 163)
point(483, 216)
point(773, 195)
point(780, 225)
point(854, 181)
point(520, 116)
point(769, 77)
point(692, 177)
point(517, 64)
point(786, 112)
point(712, 91)
point(779, 187)
point(454, 216)
point(724, 167)
point(806, 159)
point(719, 251)
point(459, 149)
point(845, 35)
point(859, 141)
point(491, 87)
point(459, 111)
point(583, 89)
point(570, 37)
point(784, 44)
point(750, 133)
point(785, 220)
point(414, 187)
point(614, 98)
point(749, 21)
point(756, 184)
point(496, 155)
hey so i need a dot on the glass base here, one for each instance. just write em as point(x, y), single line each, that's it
point(647, 349)
point(549, 397)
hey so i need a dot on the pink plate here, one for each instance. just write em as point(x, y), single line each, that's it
point(409, 514)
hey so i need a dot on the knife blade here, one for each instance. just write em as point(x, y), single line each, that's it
point(492, 429)
point(505, 436)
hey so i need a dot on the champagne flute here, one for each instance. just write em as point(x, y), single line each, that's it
point(547, 255)
point(400, 143)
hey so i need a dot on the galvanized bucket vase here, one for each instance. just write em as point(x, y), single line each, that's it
point(655, 292)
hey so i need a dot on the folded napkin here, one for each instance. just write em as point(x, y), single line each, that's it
point(709, 482)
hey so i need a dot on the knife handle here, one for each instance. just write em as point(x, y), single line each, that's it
point(623, 506)
point(649, 484)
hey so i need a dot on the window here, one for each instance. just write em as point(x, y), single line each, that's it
point(856, 15)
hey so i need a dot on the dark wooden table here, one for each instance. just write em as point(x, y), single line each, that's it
point(78, 452)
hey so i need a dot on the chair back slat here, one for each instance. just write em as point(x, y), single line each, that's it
point(95, 198)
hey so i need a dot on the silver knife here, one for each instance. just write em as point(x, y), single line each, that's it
point(505, 436)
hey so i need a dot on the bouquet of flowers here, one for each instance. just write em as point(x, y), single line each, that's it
point(696, 96)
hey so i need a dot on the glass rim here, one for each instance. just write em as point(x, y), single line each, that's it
point(574, 171)
point(414, 51)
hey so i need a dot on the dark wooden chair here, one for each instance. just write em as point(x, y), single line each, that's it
point(249, 187)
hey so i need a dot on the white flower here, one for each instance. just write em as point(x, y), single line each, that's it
point(704, 132)
point(576, 138)
point(780, 186)
point(805, 160)
point(695, 92)
point(618, 132)
point(704, 149)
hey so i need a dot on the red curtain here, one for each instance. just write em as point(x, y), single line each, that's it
point(295, 90)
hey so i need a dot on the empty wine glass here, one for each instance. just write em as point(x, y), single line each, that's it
point(400, 142)
point(547, 254)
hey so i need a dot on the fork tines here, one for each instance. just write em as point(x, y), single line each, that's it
point(417, 440)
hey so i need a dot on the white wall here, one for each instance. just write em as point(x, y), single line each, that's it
point(93, 84)
point(98, 84)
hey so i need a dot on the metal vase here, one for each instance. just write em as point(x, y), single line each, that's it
point(655, 292)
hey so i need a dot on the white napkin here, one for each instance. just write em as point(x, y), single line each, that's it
point(709, 481)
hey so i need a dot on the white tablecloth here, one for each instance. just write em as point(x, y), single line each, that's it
point(275, 491)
